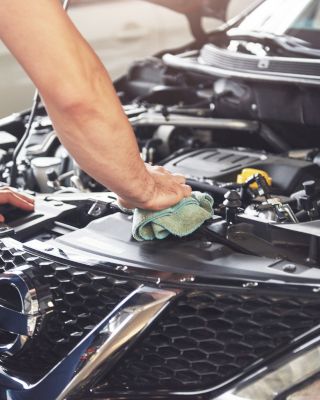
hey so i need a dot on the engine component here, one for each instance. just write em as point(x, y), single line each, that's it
point(249, 172)
point(224, 165)
point(308, 201)
point(7, 141)
point(260, 183)
point(98, 209)
point(53, 179)
point(40, 167)
point(273, 210)
point(232, 205)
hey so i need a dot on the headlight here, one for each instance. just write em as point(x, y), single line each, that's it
point(280, 379)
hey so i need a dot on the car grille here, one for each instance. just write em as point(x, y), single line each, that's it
point(210, 337)
point(202, 340)
point(80, 300)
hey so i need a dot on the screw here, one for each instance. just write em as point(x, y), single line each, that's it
point(250, 285)
point(290, 268)
point(206, 245)
point(239, 236)
point(122, 268)
point(187, 279)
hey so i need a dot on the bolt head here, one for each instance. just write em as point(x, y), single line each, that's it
point(290, 268)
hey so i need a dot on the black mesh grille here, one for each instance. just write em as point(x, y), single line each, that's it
point(81, 299)
point(208, 338)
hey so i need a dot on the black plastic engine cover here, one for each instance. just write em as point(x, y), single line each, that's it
point(225, 164)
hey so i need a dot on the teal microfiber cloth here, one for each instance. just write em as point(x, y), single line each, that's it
point(180, 220)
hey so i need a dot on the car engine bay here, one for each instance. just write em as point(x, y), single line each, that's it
point(260, 163)
point(266, 196)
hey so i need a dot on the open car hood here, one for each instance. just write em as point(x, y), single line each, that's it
point(215, 8)
point(199, 8)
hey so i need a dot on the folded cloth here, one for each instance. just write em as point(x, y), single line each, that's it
point(179, 220)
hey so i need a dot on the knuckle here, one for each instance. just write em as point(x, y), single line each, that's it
point(6, 190)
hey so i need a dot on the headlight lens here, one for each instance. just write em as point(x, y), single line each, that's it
point(271, 382)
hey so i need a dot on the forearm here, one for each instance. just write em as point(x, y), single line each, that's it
point(78, 94)
point(92, 125)
point(104, 146)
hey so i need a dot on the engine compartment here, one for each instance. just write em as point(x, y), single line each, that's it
point(263, 173)
point(245, 284)
point(276, 218)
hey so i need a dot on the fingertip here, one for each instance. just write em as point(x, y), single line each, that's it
point(26, 197)
point(2, 219)
point(31, 205)
point(180, 179)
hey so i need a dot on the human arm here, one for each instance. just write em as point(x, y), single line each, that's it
point(82, 103)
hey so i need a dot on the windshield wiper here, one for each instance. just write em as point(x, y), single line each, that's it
point(279, 43)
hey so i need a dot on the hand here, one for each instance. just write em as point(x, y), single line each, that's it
point(169, 189)
point(13, 197)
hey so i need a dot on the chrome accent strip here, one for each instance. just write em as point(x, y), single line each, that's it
point(99, 350)
point(13, 321)
point(22, 323)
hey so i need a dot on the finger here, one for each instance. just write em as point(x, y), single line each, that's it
point(30, 199)
point(162, 170)
point(187, 190)
point(183, 176)
point(2, 219)
point(24, 198)
point(179, 179)
point(9, 197)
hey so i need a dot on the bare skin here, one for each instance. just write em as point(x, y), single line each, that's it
point(82, 103)
point(13, 197)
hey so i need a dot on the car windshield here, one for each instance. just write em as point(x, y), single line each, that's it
point(298, 18)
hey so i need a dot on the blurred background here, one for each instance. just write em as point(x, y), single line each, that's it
point(120, 31)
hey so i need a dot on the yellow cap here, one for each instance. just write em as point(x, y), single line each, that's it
point(248, 172)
